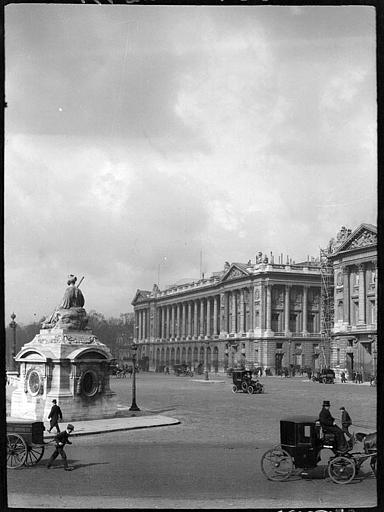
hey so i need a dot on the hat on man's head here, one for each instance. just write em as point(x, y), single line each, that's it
point(54, 401)
point(342, 408)
point(326, 403)
point(70, 427)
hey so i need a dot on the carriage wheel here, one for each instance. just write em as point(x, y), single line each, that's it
point(259, 388)
point(244, 386)
point(277, 464)
point(234, 389)
point(16, 451)
point(34, 455)
point(251, 390)
point(341, 470)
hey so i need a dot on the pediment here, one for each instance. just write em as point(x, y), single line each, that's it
point(140, 295)
point(236, 271)
point(364, 236)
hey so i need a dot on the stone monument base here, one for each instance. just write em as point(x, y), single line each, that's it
point(69, 366)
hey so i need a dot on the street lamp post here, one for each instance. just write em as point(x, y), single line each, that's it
point(13, 326)
point(134, 406)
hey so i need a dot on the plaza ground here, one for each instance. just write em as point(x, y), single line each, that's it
point(210, 460)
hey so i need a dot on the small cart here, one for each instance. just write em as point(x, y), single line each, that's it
point(25, 442)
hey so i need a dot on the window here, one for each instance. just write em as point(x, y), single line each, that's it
point(340, 310)
point(338, 356)
point(279, 345)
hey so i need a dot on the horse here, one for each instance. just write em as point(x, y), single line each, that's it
point(369, 446)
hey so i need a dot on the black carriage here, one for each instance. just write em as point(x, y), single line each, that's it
point(182, 370)
point(301, 441)
point(25, 442)
point(244, 381)
point(324, 376)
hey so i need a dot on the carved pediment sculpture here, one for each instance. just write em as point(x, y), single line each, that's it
point(364, 239)
point(364, 236)
point(235, 273)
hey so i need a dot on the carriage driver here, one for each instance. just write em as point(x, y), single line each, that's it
point(327, 423)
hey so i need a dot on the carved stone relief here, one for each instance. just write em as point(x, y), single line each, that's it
point(365, 239)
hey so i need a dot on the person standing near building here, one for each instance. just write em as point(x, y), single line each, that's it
point(54, 416)
point(346, 421)
point(61, 439)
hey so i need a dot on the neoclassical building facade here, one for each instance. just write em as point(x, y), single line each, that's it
point(354, 334)
point(261, 314)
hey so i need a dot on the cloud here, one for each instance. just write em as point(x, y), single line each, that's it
point(134, 135)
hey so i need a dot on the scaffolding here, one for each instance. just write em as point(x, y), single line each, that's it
point(327, 308)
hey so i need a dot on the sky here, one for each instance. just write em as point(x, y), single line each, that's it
point(144, 144)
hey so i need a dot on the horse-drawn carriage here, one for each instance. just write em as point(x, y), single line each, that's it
point(244, 381)
point(324, 376)
point(302, 440)
point(25, 442)
point(182, 370)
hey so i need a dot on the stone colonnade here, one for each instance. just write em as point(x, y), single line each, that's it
point(228, 313)
point(357, 304)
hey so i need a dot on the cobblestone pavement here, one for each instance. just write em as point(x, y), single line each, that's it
point(210, 460)
point(213, 412)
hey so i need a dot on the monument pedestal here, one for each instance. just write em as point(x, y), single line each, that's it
point(69, 366)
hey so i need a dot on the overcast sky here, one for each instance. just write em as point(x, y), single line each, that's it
point(138, 136)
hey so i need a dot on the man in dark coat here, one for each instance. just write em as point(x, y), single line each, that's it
point(61, 439)
point(54, 416)
point(346, 422)
point(328, 426)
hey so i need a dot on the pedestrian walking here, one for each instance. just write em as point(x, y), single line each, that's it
point(346, 422)
point(55, 416)
point(342, 375)
point(61, 439)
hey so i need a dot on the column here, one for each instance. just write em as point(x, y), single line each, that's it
point(305, 309)
point(222, 313)
point(136, 331)
point(162, 322)
point(376, 285)
point(241, 328)
point(208, 332)
point(361, 294)
point(183, 321)
point(144, 323)
point(269, 306)
point(140, 325)
point(178, 327)
point(215, 311)
point(189, 321)
point(346, 296)
point(167, 331)
point(201, 317)
point(286, 310)
point(233, 327)
point(195, 333)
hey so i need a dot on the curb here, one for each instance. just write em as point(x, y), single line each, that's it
point(99, 430)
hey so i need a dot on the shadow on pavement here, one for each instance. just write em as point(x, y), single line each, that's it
point(78, 466)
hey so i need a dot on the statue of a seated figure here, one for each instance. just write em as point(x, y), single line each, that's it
point(70, 314)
